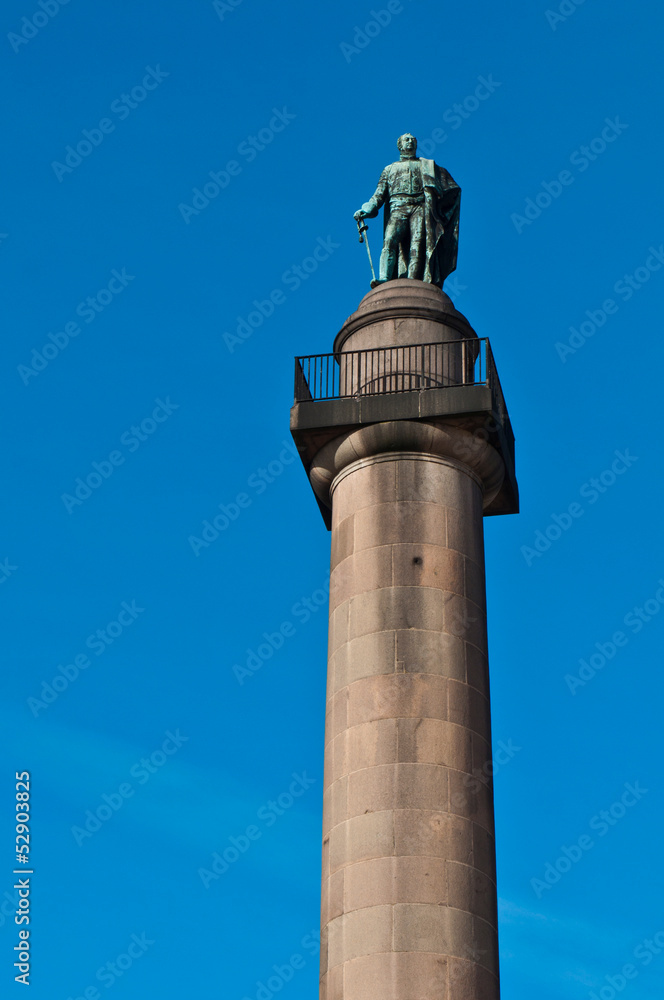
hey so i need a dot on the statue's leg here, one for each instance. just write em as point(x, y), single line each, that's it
point(390, 252)
point(417, 257)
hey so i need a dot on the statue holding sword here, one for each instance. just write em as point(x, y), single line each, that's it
point(421, 218)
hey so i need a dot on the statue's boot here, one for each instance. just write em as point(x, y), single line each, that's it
point(387, 269)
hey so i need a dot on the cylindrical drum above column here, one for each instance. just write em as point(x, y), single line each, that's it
point(405, 335)
point(409, 895)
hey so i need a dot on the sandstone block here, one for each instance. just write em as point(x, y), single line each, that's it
point(370, 835)
point(430, 652)
point(361, 932)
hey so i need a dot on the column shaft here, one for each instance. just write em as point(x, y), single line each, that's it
point(408, 896)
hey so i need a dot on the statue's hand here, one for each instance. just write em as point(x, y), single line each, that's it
point(360, 214)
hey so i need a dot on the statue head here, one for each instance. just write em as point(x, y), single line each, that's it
point(407, 145)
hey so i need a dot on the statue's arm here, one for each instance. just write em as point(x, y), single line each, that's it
point(370, 208)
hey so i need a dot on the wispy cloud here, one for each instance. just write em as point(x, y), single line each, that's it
point(561, 956)
point(76, 766)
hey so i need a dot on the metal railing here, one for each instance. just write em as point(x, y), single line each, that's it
point(392, 369)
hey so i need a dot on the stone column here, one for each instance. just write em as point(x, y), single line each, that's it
point(408, 883)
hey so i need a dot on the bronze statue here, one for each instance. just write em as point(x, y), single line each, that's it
point(421, 217)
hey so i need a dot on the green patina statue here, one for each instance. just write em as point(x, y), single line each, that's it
point(421, 218)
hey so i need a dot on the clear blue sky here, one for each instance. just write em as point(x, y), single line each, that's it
point(168, 93)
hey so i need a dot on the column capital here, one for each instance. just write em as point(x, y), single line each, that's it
point(467, 451)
